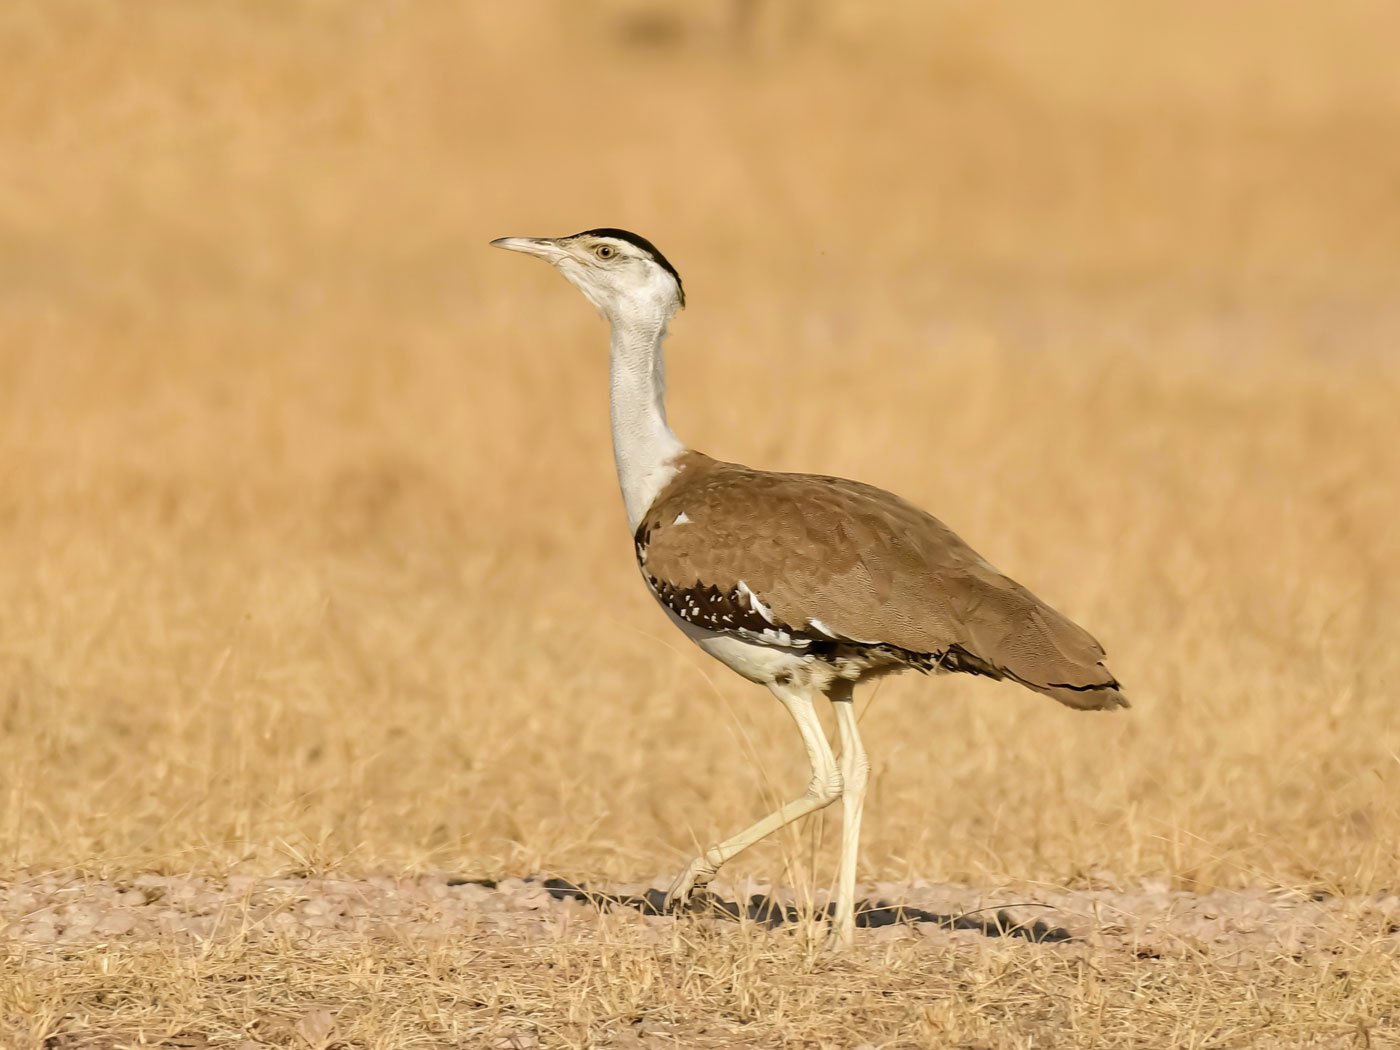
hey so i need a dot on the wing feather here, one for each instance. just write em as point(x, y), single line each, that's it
point(868, 567)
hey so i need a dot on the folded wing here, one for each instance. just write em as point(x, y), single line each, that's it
point(802, 559)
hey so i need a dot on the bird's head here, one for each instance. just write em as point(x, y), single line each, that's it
point(622, 274)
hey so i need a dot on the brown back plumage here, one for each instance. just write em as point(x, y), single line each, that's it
point(831, 559)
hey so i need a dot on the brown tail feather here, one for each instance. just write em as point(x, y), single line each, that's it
point(1102, 695)
point(1091, 698)
point(1078, 678)
point(1013, 634)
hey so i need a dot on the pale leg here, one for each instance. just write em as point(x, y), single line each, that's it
point(823, 789)
point(855, 769)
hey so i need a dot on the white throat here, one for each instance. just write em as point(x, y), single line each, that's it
point(643, 445)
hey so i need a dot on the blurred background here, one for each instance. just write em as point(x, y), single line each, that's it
point(311, 555)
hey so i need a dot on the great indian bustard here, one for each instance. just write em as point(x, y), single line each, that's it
point(807, 584)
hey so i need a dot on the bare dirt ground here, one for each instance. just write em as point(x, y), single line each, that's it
point(481, 948)
point(1150, 922)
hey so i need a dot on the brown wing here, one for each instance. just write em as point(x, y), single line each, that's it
point(826, 558)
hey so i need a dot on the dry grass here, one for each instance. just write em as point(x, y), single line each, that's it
point(707, 991)
point(310, 555)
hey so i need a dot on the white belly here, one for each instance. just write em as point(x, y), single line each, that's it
point(755, 661)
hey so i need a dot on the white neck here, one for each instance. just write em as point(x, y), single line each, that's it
point(643, 444)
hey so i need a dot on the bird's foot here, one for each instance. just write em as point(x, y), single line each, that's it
point(841, 917)
point(842, 936)
point(688, 892)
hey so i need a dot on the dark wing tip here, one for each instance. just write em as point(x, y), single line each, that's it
point(1087, 698)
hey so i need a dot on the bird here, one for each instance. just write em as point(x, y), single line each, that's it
point(807, 584)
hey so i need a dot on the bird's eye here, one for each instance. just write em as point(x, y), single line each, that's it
point(605, 251)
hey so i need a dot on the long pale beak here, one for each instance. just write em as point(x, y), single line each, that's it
point(544, 247)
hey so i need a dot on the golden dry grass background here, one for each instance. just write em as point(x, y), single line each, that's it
point(310, 550)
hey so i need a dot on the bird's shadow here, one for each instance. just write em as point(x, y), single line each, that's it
point(765, 910)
